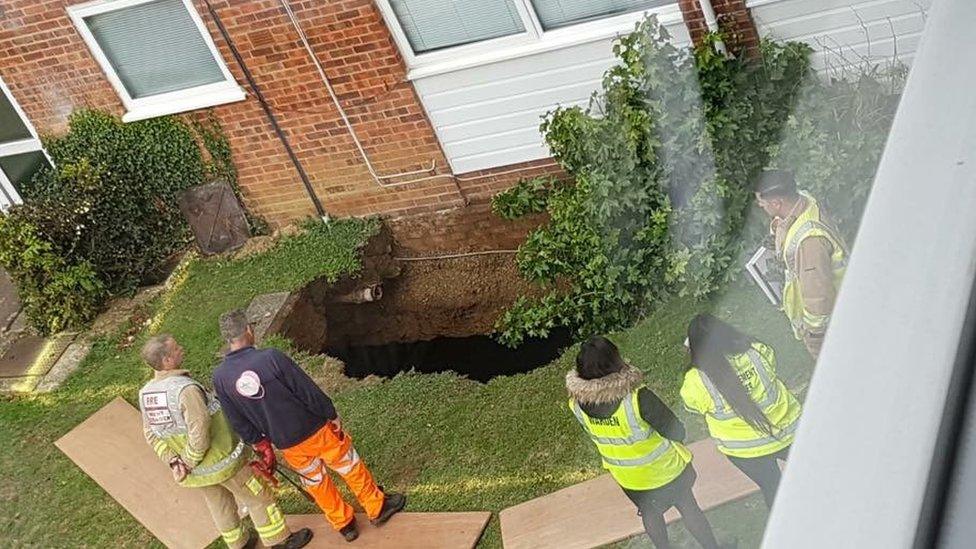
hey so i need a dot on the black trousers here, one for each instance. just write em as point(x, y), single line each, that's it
point(652, 504)
point(764, 471)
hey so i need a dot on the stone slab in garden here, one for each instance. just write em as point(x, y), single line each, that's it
point(26, 359)
point(9, 302)
point(404, 531)
point(109, 447)
point(596, 512)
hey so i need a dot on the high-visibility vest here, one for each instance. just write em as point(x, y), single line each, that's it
point(636, 455)
point(734, 436)
point(159, 402)
point(808, 224)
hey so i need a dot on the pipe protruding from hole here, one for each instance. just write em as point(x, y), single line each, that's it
point(369, 294)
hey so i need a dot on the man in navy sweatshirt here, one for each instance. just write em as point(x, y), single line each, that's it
point(269, 401)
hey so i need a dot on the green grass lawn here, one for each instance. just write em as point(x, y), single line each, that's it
point(450, 443)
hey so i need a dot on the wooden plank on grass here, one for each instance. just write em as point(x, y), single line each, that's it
point(404, 531)
point(110, 448)
point(597, 512)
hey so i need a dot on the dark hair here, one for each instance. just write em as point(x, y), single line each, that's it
point(711, 341)
point(598, 357)
point(774, 183)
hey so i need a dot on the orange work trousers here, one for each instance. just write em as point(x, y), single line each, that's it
point(331, 447)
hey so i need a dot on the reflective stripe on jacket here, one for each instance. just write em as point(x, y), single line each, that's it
point(733, 435)
point(636, 455)
point(809, 223)
point(162, 415)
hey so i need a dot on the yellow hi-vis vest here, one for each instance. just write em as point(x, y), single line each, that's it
point(808, 224)
point(733, 435)
point(636, 455)
point(159, 402)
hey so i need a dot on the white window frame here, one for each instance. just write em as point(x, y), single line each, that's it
point(198, 97)
point(30, 144)
point(535, 39)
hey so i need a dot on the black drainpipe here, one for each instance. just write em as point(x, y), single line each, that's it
point(267, 111)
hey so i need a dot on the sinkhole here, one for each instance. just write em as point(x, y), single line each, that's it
point(479, 357)
point(426, 316)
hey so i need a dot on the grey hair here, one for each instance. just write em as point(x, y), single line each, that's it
point(156, 350)
point(233, 325)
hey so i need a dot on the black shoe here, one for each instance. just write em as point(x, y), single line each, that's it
point(393, 504)
point(296, 540)
point(349, 531)
point(252, 540)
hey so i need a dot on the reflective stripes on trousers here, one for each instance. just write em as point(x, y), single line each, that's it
point(232, 537)
point(276, 523)
point(312, 474)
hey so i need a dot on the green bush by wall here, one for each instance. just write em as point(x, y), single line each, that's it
point(107, 211)
point(663, 162)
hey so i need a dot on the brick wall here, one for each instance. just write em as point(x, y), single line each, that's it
point(51, 72)
point(733, 17)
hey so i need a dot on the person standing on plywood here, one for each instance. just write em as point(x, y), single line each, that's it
point(813, 253)
point(639, 440)
point(749, 412)
point(269, 401)
point(184, 425)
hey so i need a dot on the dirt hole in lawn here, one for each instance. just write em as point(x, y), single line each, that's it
point(432, 316)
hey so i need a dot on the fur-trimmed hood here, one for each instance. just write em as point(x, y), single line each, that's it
point(608, 389)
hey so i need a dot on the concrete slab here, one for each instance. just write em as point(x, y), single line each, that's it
point(596, 512)
point(404, 531)
point(9, 302)
point(110, 448)
point(64, 367)
point(20, 354)
point(28, 358)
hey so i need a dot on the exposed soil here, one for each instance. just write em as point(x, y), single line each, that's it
point(434, 315)
point(451, 297)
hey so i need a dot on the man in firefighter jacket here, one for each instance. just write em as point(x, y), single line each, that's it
point(185, 426)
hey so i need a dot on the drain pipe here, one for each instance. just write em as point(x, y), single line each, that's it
point(270, 115)
point(711, 21)
point(345, 118)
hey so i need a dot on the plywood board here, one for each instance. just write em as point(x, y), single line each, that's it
point(403, 531)
point(110, 448)
point(597, 512)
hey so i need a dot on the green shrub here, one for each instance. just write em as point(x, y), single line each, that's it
point(111, 200)
point(663, 161)
point(834, 141)
point(54, 293)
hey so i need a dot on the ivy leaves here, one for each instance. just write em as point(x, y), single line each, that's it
point(662, 161)
point(107, 214)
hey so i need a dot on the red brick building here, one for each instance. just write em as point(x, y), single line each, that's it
point(436, 103)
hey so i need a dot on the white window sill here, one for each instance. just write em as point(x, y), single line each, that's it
point(556, 39)
point(182, 102)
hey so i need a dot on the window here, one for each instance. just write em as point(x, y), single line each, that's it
point(157, 54)
point(21, 153)
point(435, 24)
point(440, 35)
point(559, 13)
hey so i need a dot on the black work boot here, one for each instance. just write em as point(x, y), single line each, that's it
point(350, 532)
point(392, 504)
point(296, 540)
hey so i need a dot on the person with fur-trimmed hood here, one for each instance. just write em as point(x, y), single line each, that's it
point(639, 439)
